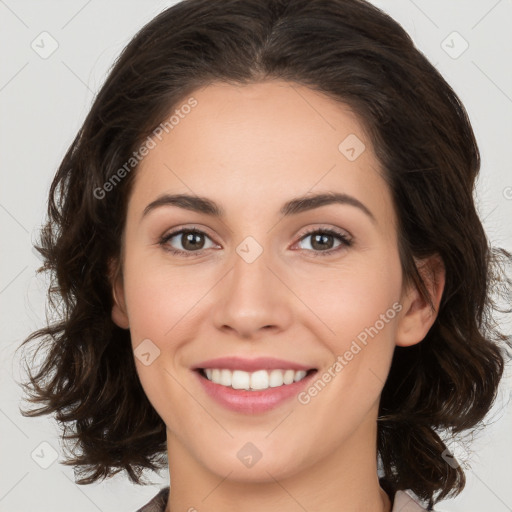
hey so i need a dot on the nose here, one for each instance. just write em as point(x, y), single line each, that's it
point(253, 298)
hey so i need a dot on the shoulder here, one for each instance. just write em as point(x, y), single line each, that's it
point(404, 503)
point(157, 503)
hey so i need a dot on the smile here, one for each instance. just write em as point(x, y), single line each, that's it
point(253, 381)
point(253, 392)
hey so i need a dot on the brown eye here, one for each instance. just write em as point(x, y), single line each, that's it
point(323, 240)
point(189, 241)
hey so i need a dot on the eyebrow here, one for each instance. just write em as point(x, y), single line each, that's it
point(294, 206)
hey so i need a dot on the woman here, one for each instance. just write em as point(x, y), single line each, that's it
point(272, 272)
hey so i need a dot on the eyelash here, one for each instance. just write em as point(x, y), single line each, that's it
point(345, 241)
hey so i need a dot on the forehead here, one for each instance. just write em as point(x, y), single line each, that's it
point(250, 146)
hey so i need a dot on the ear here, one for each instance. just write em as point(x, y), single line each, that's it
point(417, 315)
point(119, 313)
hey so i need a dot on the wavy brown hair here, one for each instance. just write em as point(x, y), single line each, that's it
point(352, 52)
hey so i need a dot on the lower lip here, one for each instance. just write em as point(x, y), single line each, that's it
point(250, 402)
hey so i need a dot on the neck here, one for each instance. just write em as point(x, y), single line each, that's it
point(345, 480)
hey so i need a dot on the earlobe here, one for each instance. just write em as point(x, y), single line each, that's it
point(119, 314)
point(417, 315)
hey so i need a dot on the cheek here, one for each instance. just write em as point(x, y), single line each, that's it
point(160, 304)
point(358, 307)
point(350, 301)
point(161, 298)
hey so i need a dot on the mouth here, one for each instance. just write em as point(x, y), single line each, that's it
point(252, 386)
point(259, 380)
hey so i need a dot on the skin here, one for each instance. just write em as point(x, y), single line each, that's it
point(250, 149)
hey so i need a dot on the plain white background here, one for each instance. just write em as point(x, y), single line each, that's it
point(43, 101)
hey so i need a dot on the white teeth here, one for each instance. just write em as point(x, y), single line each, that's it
point(288, 376)
point(225, 377)
point(299, 375)
point(259, 380)
point(276, 378)
point(239, 380)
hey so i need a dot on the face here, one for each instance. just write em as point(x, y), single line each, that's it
point(301, 302)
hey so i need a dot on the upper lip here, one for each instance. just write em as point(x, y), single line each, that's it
point(251, 365)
